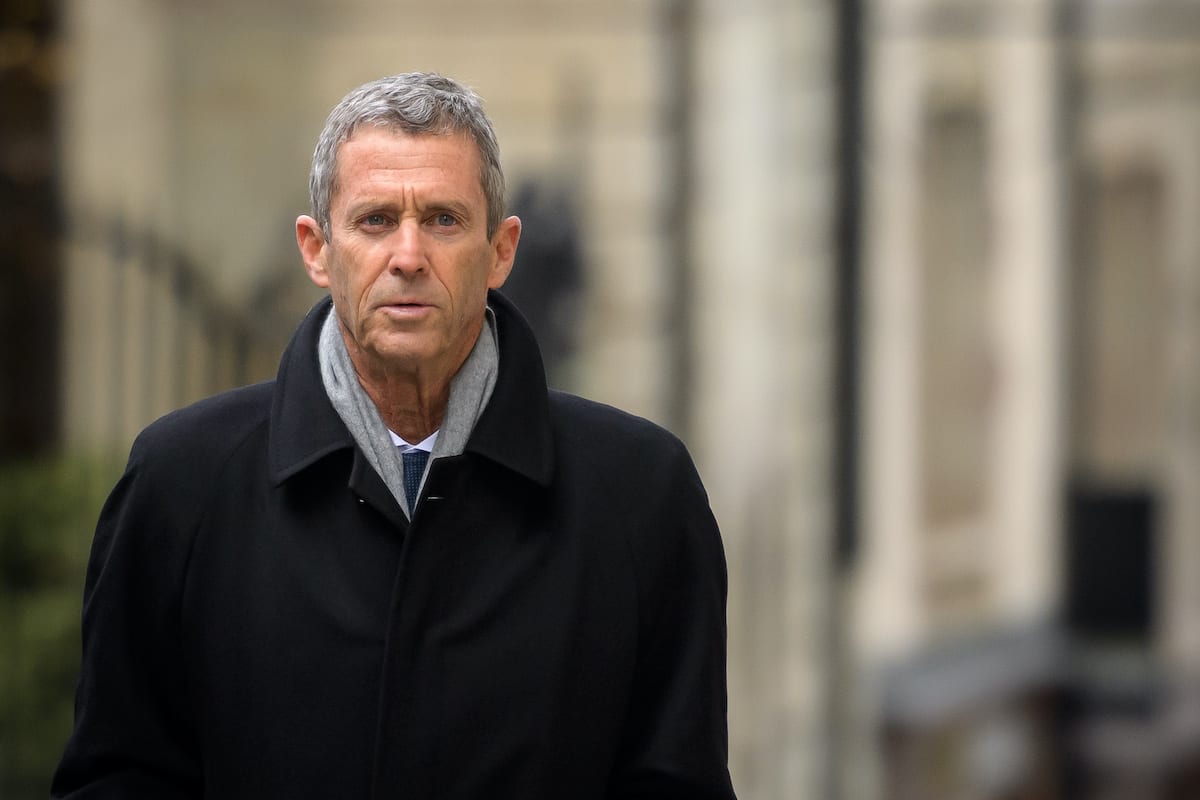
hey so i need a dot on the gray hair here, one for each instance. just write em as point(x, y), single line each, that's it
point(415, 103)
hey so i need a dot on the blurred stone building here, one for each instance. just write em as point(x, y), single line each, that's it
point(1027, 581)
point(917, 281)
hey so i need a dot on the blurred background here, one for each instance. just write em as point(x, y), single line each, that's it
point(918, 281)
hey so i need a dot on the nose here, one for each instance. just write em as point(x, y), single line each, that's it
point(406, 254)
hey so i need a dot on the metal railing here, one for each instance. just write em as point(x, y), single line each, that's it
point(146, 331)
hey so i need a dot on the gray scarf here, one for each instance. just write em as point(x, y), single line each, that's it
point(470, 391)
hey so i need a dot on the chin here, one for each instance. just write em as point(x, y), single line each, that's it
point(404, 358)
point(403, 355)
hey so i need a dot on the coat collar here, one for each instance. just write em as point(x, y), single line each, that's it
point(513, 431)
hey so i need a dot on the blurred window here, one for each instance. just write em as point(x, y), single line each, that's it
point(955, 414)
point(1119, 397)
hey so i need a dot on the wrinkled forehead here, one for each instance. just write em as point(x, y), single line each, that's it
point(378, 162)
point(437, 138)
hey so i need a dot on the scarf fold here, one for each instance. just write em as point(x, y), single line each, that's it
point(470, 390)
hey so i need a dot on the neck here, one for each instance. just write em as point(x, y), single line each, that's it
point(411, 402)
point(413, 410)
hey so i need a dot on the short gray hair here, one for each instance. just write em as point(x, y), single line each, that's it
point(414, 103)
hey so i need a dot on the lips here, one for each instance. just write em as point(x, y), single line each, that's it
point(404, 304)
point(405, 310)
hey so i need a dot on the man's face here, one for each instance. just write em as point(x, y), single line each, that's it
point(408, 261)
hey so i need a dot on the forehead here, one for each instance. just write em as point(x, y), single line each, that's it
point(382, 156)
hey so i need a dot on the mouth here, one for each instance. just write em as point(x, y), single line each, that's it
point(403, 304)
point(404, 309)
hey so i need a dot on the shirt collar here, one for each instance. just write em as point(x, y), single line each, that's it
point(425, 444)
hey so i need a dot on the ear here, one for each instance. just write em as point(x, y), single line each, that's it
point(504, 250)
point(311, 241)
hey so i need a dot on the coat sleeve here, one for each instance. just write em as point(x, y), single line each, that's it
point(133, 734)
point(675, 743)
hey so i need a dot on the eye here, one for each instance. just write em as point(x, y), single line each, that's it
point(445, 220)
point(374, 220)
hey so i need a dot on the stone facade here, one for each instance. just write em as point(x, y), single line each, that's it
point(1029, 471)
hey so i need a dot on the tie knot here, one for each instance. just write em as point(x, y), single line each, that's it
point(414, 468)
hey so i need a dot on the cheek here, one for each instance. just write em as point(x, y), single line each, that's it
point(348, 285)
point(337, 287)
point(482, 274)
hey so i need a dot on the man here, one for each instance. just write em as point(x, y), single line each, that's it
point(404, 568)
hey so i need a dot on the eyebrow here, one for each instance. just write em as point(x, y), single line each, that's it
point(370, 204)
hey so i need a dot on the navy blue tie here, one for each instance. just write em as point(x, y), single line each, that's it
point(414, 468)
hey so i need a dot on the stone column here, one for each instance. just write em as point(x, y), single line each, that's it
point(1180, 595)
point(762, 421)
point(1029, 230)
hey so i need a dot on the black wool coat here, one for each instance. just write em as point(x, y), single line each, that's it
point(262, 621)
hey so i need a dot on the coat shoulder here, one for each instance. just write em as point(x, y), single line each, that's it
point(207, 431)
point(605, 429)
point(629, 454)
